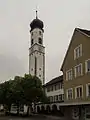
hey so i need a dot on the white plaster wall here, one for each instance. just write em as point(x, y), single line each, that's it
point(40, 64)
point(53, 93)
point(37, 50)
point(31, 64)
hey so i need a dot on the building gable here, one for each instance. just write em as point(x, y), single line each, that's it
point(76, 31)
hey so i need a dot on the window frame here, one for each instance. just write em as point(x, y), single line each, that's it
point(76, 57)
point(67, 79)
point(86, 66)
point(81, 86)
point(87, 94)
point(76, 72)
point(68, 94)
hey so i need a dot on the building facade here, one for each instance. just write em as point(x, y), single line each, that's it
point(76, 76)
point(37, 50)
point(54, 90)
point(55, 93)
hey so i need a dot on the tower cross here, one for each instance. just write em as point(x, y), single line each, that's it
point(36, 15)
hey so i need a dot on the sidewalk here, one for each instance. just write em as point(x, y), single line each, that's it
point(51, 117)
point(55, 117)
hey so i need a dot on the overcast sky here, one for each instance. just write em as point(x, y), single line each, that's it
point(60, 17)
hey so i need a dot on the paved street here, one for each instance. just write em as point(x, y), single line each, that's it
point(30, 118)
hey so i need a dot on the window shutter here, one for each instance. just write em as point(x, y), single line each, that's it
point(67, 94)
point(75, 93)
point(72, 93)
point(85, 66)
point(74, 54)
point(75, 71)
point(81, 50)
point(81, 69)
point(86, 89)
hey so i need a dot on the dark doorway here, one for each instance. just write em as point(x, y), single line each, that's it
point(38, 109)
point(42, 109)
point(54, 109)
point(48, 110)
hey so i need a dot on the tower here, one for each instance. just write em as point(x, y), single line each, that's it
point(37, 50)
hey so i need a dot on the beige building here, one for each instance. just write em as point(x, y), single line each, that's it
point(76, 75)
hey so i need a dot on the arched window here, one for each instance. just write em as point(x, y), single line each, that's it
point(39, 32)
point(39, 40)
point(31, 41)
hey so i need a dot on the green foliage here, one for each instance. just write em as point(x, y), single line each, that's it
point(22, 90)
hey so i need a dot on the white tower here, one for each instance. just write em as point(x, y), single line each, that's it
point(37, 50)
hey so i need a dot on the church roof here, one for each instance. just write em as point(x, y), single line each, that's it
point(36, 23)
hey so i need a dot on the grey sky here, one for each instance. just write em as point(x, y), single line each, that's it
point(60, 17)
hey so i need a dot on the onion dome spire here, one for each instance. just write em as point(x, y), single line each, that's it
point(36, 23)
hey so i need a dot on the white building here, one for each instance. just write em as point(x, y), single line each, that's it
point(37, 50)
point(55, 92)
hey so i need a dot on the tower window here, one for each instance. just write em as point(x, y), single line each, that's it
point(39, 40)
point(39, 32)
point(31, 41)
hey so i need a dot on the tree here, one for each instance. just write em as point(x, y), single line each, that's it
point(22, 90)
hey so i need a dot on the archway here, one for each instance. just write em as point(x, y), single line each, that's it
point(61, 111)
point(38, 109)
point(42, 109)
point(48, 110)
point(54, 109)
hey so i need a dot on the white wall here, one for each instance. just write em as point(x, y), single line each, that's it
point(37, 50)
point(53, 93)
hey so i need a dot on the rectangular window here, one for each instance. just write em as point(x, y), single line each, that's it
point(69, 75)
point(78, 70)
point(60, 86)
point(88, 89)
point(55, 98)
point(48, 89)
point(79, 92)
point(51, 98)
point(69, 93)
point(61, 97)
point(87, 65)
point(51, 88)
point(55, 87)
point(78, 51)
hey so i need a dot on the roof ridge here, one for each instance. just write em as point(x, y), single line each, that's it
point(84, 31)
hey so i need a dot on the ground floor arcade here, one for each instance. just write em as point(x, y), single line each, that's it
point(75, 111)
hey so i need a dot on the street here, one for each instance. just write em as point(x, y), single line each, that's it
point(30, 118)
